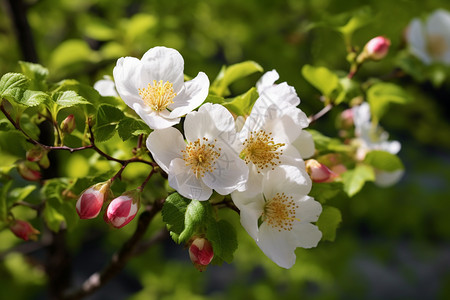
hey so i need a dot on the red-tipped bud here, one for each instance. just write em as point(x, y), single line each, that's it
point(91, 200)
point(377, 48)
point(68, 125)
point(29, 171)
point(24, 230)
point(201, 253)
point(36, 153)
point(123, 209)
point(317, 171)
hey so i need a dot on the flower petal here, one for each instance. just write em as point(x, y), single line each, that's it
point(161, 63)
point(386, 179)
point(307, 235)
point(279, 246)
point(154, 120)
point(165, 145)
point(291, 180)
point(127, 74)
point(267, 80)
point(304, 143)
point(308, 210)
point(250, 211)
point(182, 179)
point(194, 93)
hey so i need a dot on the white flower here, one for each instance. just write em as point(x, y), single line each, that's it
point(207, 161)
point(154, 87)
point(279, 217)
point(430, 41)
point(371, 137)
point(106, 87)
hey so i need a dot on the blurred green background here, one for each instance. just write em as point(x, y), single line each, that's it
point(393, 243)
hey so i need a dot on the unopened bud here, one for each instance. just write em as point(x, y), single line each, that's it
point(201, 253)
point(317, 171)
point(24, 230)
point(377, 48)
point(36, 153)
point(91, 200)
point(346, 119)
point(123, 209)
point(29, 171)
point(68, 125)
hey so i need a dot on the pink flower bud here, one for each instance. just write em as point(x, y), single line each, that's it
point(36, 153)
point(91, 200)
point(29, 171)
point(377, 48)
point(346, 118)
point(123, 209)
point(24, 230)
point(201, 253)
point(318, 172)
point(68, 125)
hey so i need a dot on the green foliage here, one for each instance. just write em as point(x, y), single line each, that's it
point(382, 94)
point(107, 120)
point(355, 179)
point(383, 160)
point(325, 191)
point(242, 104)
point(321, 78)
point(328, 222)
point(12, 86)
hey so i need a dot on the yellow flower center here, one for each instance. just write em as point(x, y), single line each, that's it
point(158, 95)
point(261, 150)
point(200, 155)
point(279, 212)
point(436, 46)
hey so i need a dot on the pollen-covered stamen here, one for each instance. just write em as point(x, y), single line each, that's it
point(261, 150)
point(158, 95)
point(200, 155)
point(436, 45)
point(279, 212)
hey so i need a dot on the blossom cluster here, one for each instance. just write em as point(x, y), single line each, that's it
point(257, 159)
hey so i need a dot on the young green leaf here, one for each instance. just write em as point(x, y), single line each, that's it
point(354, 179)
point(242, 104)
point(222, 235)
point(13, 85)
point(381, 94)
point(4, 200)
point(383, 160)
point(196, 216)
point(68, 99)
point(37, 75)
point(129, 127)
point(230, 74)
point(173, 213)
point(328, 222)
point(325, 191)
point(321, 78)
point(108, 117)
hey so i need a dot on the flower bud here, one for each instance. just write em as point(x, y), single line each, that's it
point(346, 119)
point(317, 171)
point(36, 153)
point(123, 209)
point(24, 230)
point(29, 171)
point(377, 48)
point(201, 253)
point(68, 125)
point(91, 200)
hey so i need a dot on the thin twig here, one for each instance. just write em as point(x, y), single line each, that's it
point(320, 114)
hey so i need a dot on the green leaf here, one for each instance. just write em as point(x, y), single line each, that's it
point(173, 213)
point(4, 200)
point(19, 194)
point(108, 117)
point(328, 222)
point(68, 99)
point(13, 85)
point(383, 160)
point(325, 144)
point(381, 94)
point(321, 78)
point(230, 74)
point(360, 18)
point(33, 98)
point(215, 99)
point(242, 104)
point(354, 179)
point(83, 90)
point(222, 235)
point(196, 216)
point(129, 127)
point(53, 218)
point(36, 73)
point(72, 53)
point(325, 191)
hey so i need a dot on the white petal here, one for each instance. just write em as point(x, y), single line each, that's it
point(251, 208)
point(307, 235)
point(386, 179)
point(211, 121)
point(279, 246)
point(417, 42)
point(182, 179)
point(267, 80)
point(308, 210)
point(230, 172)
point(253, 185)
point(165, 145)
point(194, 93)
point(291, 180)
point(161, 63)
point(127, 74)
point(305, 144)
point(154, 120)
point(106, 87)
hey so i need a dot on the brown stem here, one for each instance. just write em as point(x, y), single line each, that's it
point(119, 259)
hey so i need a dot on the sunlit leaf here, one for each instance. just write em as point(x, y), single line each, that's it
point(383, 160)
point(355, 179)
point(222, 235)
point(232, 73)
point(381, 94)
point(328, 222)
point(321, 78)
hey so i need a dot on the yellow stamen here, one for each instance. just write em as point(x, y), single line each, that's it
point(436, 46)
point(280, 211)
point(200, 155)
point(261, 150)
point(158, 95)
